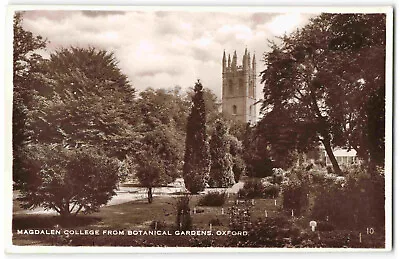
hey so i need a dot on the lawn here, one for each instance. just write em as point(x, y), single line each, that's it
point(139, 215)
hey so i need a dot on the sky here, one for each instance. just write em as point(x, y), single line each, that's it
point(164, 49)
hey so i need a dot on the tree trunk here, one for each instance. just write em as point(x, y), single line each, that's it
point(323, 131)
point(150, 195)
point(332, 157)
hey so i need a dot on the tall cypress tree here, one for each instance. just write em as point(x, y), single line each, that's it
point(197, 154)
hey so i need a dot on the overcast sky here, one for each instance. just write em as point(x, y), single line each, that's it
point(168, 48)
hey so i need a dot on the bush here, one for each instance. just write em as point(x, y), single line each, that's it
point(271, 191)
point(359, 202)
point(213, 199)
point(252, 188)
point(255, 188)
point(68, 181)
point(183, 217)
point(295, 196)
point(268, 232)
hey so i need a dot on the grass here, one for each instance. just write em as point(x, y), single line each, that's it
point(139, 215)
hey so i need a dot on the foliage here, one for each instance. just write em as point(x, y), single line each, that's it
point(67, 180)
point(183, 217)
point(159, 156)
point(26, 64)
point(157, 160)
point(221, 174)
point(268, 232)
point(357, 203)
point(236, 151)
point(82, 103)
point(213, 199)
point(255, 188)
point(295, 193)
point(271, 191)
point(321, 78)
point(197, 155)
point(79, 105)
point(239, 218)
point(256, 154)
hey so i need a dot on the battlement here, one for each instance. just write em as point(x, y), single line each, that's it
point(232, 65)
point(239, 87)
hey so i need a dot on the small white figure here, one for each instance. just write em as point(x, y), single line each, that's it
point(313, 224)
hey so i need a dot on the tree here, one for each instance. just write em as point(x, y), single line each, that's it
point(161, 119)
point(221, 173)
point(197, 157)
point(84, 100)
point(83, 104)
point(256, 153)
point(26, 64)
point(67, 180)
point(158, 159)
point(319, 74)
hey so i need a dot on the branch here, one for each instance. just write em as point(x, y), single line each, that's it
point(302, 95)
point(56, 209)
point(73, 207)
point(79, 209)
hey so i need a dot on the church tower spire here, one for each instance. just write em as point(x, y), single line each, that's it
point(223, 63)
point(234, 61)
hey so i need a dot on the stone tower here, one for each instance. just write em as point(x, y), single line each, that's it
point(239, 87)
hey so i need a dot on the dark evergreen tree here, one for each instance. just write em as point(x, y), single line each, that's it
point(221, 173)
point(197, 155)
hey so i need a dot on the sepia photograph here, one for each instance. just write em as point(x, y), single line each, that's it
point(234, 128)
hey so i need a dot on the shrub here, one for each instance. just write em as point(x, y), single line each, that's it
point(295, 196)
point(252, 188)
point(68, 180)
point(271, 191)
point(213, 199)
point(183, 217)
point(268, 232)
point(359, 202)
point(255, 188)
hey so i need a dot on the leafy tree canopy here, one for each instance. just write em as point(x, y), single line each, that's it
point(322, 77)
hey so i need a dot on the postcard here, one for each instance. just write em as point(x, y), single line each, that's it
point(187, 129)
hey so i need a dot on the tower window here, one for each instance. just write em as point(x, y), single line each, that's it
point(234, 110)
point(230, 87)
